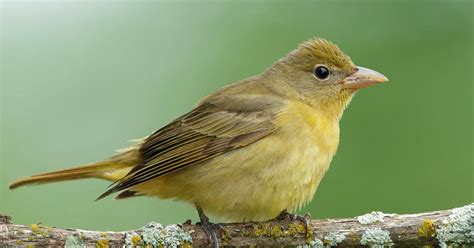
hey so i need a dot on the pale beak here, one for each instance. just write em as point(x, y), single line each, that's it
point(362, 78)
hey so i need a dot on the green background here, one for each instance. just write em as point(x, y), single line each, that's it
point(80, 79)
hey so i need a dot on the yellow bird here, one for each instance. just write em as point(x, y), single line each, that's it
point(247, 151)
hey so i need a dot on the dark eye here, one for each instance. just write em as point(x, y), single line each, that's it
point(321, 72)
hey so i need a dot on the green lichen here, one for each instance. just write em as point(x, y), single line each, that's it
point(74, 241)
point(155, 235)
point(333, 239)
point(315, 243)
point(371, 218)
point(376, 238)
point(427, 229)
point(458, 228)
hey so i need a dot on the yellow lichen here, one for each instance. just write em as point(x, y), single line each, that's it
point(102, 243)
point(427, 229)
point(309, 232)
point(295, 229)
point(245, 233)
point(30, 246)
point(186, 245)
point(277, 232)
point(135, 240)
point(37, 229)
point(225, 235)
point(261, 230)
point(352, 237)
point(326, 243)
point(19, 242)
point(34, 228)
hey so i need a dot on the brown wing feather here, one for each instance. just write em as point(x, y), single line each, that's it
point(202, 134)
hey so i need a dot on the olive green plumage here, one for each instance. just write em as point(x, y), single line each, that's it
point(248, 150)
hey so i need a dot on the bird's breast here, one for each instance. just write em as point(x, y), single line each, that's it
point(309, 127)
point(311, 142)
point(280, 171)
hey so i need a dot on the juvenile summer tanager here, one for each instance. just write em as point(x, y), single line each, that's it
point(249, 150)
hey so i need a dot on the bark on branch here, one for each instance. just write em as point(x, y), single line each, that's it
point(376, 229)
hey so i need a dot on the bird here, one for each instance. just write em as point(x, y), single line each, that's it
point(248, 151)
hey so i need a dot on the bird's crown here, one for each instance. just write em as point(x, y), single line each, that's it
point(319, 51)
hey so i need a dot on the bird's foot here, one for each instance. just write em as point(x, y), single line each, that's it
point(306, 220)
point(210, 229)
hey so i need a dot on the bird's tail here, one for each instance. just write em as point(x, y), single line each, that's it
point(111, 169)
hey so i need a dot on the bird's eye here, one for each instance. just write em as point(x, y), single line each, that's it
point(321, 72)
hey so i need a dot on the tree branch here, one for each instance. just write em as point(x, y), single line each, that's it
point(376, 229)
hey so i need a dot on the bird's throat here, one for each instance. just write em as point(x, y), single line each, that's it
point(332, 107)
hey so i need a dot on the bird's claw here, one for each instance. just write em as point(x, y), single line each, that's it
point(306, 220)
point(284, 215)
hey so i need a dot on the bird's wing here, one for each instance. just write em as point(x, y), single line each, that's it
point(204, 133)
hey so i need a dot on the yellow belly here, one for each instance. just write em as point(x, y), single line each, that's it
point(257, 182)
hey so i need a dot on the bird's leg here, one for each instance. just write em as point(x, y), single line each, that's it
point(209, 228)
point(306, 219)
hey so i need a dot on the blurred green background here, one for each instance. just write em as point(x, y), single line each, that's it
point(79, 79)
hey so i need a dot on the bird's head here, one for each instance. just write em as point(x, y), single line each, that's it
point(324, 75)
